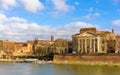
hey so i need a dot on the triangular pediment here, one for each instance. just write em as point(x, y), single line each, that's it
point(88, 34)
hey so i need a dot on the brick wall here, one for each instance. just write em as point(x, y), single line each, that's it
point(115, 58)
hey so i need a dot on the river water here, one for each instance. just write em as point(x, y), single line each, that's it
point(55, 69)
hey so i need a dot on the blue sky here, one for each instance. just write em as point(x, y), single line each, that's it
point(22, 20)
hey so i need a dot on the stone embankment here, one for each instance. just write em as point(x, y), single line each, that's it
point(26, 61)
point(90, 59)
point(11, 60)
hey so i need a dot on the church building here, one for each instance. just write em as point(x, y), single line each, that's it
point(90, 40)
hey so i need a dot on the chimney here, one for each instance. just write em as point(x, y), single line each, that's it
point(52, 37)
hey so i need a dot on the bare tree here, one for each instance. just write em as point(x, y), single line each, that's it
point(61, 46)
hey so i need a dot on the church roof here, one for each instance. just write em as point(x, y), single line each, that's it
point(94, 30)
point(82, 30)
point(102, 32)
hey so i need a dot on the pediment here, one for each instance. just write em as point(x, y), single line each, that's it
point(88, 34)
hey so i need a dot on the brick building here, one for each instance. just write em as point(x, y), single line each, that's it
point(42, 47)
point(23, 48)
point(6, 48)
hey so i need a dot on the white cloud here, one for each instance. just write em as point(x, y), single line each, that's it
point(77, 3)
point(90, 9)
point(96, 14)
point(36, 5)
point(116, 22)
point(116, 1)
point(88, 16)
point(29, 5)
point(72, 28)
point(92, 16)
point(60, 5)
point(32, 5)
point(19, 29)
point(5, 4)
point(97, 1)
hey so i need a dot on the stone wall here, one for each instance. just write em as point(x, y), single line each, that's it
point(109, 58)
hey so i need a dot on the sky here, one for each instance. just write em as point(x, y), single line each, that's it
point(22, 20)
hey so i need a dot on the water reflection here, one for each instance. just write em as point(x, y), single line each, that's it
point(52, 69)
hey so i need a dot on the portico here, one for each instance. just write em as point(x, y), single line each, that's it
point(89, 40)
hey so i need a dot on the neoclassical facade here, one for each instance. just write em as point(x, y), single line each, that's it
point(89, 40)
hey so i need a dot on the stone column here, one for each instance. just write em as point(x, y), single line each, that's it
point(98, 44)
point(81, 45)
point(94, 46)
point(90, 45)
point(78, 45)
point(85, 45)
point(105, 46)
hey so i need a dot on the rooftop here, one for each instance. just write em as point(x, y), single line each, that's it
point(82, 30)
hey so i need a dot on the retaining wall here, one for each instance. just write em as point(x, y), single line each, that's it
point(112, 58)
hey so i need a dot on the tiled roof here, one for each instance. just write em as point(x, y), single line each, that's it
point(82, 30)
point(102, 32)
point(93, 30)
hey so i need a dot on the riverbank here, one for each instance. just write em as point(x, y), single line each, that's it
point(63, 62)
point(11, 60)
point(36, 61)
point(86, 59)
point(89, 59)
point(89, 63)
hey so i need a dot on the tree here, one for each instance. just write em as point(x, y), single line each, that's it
point(70, 46)
point(61, 46)
point(75, 44)
point(111, 44)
